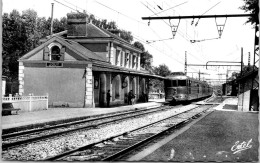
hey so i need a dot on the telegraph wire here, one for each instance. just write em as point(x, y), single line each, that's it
point(159, 50)
point(67, 6)
point(169, 8)
point(119, 12)
point(206, 12)
point(137, 21)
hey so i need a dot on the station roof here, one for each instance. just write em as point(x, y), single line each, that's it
point(98, 63)
point(116, 69)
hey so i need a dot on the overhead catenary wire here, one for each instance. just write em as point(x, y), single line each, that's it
point(137, 21)
point(167, 24)
point(169, 8)
point(66, 6)
point(206, 12)
point(148, 41)
point(159, 50)
point(179, 31)
point(128, 17)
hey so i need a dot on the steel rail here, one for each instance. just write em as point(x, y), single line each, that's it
point(67, 153)
point(71, 123)
point(140, 143)
point(6, 146)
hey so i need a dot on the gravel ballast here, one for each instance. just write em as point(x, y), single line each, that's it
point(56, 145)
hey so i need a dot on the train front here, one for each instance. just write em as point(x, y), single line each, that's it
point(176, 89)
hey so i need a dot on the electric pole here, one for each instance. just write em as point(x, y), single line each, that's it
point(52, 5)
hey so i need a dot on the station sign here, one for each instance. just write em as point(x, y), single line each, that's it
point(54, 64)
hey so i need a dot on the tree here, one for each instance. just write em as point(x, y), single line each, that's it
point(126, 35)
point(59, 25)
point(162, 70)
point(252, 7)
point(13, 43)
point(139, 45)
point(21, 33)
point(156, 85)
point(177, 73)
point(146, 60)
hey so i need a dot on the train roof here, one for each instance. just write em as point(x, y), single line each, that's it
point(184, 77)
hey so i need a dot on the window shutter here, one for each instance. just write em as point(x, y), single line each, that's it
point(62, 53)
point(46, 53)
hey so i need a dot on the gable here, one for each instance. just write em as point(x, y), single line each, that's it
point(69, 57)
point(69, 54)
point(38, 56)
point(59, 49)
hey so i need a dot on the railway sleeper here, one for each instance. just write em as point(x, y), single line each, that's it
point(78, 158)
point(126, 144)
point(142, 135)
point(113, 148)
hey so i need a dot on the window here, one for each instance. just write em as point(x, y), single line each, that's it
point(122, 58)
point(117, 57)
point(174, 83)
point(126, 59)
point(134, 61)
point(130, 60)
point(170, 83)
point(181, 82)
point(137, 61)
point(55, 53)
point(167, 83)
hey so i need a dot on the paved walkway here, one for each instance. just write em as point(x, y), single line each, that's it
point(223, 135)
point(57, 114)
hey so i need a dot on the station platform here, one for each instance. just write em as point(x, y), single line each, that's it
point(31, 119)
point(223, 135)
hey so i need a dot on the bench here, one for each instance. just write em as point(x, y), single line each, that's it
point(8, 109)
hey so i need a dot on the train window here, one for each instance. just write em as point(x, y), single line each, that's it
point(174, 83)
point(181, 82)
point(170, 83)
point(167, 83)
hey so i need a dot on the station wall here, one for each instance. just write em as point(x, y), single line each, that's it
point(65, 86)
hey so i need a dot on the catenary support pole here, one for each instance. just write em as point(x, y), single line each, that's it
point(52, 6)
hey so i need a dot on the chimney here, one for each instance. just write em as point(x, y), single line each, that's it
point(77, 24)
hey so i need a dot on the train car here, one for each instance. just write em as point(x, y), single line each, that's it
point(181, 88)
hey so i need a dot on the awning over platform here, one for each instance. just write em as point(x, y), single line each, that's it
point(115, 69)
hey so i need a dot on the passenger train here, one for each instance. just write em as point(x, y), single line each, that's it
point(181, 88)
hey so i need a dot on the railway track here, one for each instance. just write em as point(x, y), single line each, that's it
point(34, 135)
point(112, 148)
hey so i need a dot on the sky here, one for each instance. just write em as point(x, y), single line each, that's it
point(165, 49)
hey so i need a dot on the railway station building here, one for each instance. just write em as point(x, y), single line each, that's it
point(78, 66)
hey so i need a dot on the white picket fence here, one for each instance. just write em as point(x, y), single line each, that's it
point(27, 103)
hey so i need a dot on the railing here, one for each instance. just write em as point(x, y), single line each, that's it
point(27, 103)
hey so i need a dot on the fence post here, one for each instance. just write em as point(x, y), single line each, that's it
point(10, 97)
point(47, 101)
point(30, 102)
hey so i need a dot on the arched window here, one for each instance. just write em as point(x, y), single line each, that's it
point(55, 53)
